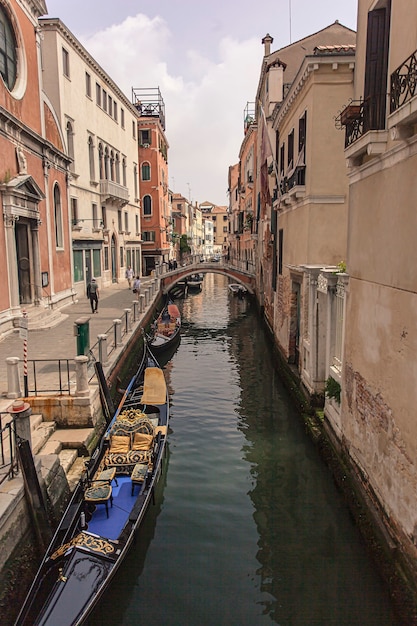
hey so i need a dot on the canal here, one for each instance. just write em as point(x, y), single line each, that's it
point(248, 527)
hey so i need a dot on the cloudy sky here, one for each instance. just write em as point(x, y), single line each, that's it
point(206, 59)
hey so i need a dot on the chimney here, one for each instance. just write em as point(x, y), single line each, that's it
point(267, 40)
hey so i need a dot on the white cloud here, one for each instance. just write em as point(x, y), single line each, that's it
point(204, 103)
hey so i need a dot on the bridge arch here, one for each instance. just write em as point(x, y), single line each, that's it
point(172, 277)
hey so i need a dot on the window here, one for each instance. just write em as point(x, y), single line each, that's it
point(121, 251)
point(282, 159)
point(135, 180)
point(148, 235)
point(134, 129)
point(137, 224)
point(110, 107)
point(88, 84)
point(124, 172)
point(78, 266)
point(106, 258)
point(65, 63)
point(146, 171)
point(122, 118)
point(117, 168)
point(98, 94)
point(74, 211)
point(115, 111)
point(95, 217)
point(147, 205)
point(119, 221)
point(58, 217)
point(104, 100)
point(145, 137)
point(290, 156)
point(104, 216)
point(126, 222)
point(96, 263)
point(8, 47)
point(91, 158)
point(70, 144)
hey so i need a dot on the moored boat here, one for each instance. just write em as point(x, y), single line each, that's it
point(166, 330)
point(237, 289)
point(107, 507)
point(195, 282)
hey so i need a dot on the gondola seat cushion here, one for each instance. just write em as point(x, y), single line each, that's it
point(142, 441)
point(119, 443)
point(125, 461)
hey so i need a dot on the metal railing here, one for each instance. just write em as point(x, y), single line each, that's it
point(404, 82)
point(59, 371)
point(9, 465)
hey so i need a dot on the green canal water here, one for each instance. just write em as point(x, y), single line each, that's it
point(248, 528)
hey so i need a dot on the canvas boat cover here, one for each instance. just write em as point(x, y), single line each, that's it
point(173, 310)
point(154, 387)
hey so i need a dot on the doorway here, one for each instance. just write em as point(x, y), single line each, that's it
point(113, 260)
point(23, 253)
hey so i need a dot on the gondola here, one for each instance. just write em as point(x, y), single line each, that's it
point(107, 506)
point(166, 330)
point(195, 282)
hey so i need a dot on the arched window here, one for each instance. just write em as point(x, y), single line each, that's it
point(124, 172)
point(147, 205)
point(112, 176)
point(146, 171)
point(58, 218)
point(8, 47)
point(70, 144)
point(106, 164)
point(101, 160)
point(117, 167)
point(91, 158)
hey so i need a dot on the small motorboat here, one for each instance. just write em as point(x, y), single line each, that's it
point(195, 282)
point(237, 289)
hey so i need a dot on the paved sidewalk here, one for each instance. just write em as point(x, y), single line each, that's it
point(59, 341)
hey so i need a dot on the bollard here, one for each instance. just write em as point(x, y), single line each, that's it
point(117, 327)
point(102, 349)
point(81, 376)
point(21, 412)
point(13, 378)
point(142, 303)
point(128, 326)
point(147, 296)
point(135, 310)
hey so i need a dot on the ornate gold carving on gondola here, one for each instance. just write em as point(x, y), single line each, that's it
point(86, 541)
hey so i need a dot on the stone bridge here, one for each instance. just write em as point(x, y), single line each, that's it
point(172, 277)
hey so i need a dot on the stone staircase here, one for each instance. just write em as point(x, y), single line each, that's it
point(70, 446)
point(42, 318)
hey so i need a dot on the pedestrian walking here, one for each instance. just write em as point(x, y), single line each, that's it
point(136, 287)
point(93, 295)
point(129, 275)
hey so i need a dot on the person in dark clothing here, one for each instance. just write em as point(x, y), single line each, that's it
point(93, 294)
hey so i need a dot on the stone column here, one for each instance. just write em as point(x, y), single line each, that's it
point(81, 376)
point(9, 223)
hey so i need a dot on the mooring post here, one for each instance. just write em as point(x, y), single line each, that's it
point(102, 349)
point(117, 327)
point(81, 375)
point(128, 327)
point(13, 378)
point(142, 303)
point(21, 412)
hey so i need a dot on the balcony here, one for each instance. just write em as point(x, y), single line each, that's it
point(293, 187)
point(365, 133)
point(403, 99)
point(111, 191)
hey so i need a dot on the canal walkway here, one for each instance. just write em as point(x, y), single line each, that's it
point(55, 447)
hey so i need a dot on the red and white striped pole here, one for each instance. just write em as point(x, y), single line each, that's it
point(25, 356)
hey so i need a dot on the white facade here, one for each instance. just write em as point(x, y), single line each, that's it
point(100, 128)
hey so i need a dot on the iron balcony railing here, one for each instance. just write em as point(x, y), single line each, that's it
point(404, 82)
point(297, 178)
